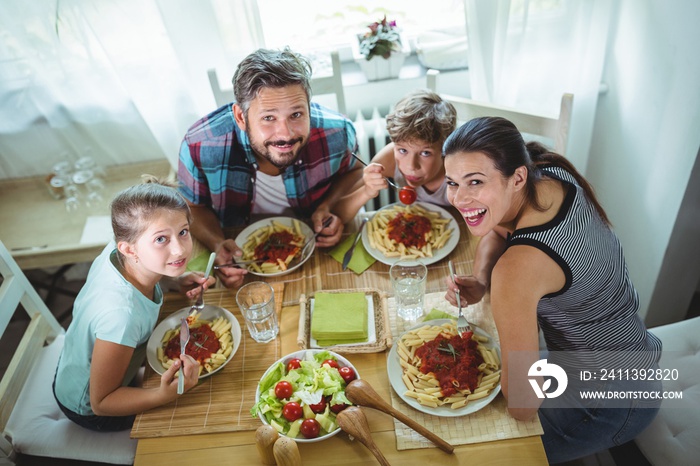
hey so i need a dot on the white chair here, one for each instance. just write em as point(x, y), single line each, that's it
point(674, 435)
point(321, 85)
point(30, 419)
point(550, 128)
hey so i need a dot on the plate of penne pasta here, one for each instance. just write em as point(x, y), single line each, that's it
point(275, 246)
point(214, 338)
point(437, 372)
point(418, 231)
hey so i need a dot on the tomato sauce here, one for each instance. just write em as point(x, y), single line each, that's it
point(203, 342)
point(277, 246)
point(453, 360)
point(409, 229)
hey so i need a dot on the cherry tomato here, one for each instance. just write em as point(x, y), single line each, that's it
point(293, 364)
point(310, 428)
point(330, 362)
point(347, 373)
point(292, 411)
point(407, 195)
point(338, 407)
point(319, 407)
point(283, 389)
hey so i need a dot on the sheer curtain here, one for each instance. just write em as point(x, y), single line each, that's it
point(123, 80)
point(527, 53)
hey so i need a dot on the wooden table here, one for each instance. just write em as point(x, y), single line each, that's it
point(239, 447)
point(39, 232)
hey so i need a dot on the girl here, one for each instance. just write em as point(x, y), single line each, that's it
point(116, 311)
point(552, 262)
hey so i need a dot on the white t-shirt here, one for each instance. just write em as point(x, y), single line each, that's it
point(270, 197)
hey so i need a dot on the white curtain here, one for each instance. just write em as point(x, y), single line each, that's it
point(527, 53)
point(121, 79)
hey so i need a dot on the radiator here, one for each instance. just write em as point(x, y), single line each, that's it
point(371, 137)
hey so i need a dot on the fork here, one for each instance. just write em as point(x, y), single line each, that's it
point(184, 339)
point(462, 324)
point(326, 222)
point(199, 304)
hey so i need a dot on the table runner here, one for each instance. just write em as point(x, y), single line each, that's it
point(221, 402)
point(489, 423)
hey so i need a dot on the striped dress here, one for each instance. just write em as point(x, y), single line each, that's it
point(595, 313)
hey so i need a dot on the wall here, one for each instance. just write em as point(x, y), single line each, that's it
point(645, 143)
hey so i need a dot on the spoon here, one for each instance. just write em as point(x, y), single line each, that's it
point(361, 392)
point(353, 421)
point(407, 195)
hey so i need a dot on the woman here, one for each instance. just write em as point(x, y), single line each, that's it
point(552, 263)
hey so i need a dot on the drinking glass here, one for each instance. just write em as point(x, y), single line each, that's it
point(408, 277)
point(256, 301)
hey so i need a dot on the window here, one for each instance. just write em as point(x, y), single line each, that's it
point(308, 25)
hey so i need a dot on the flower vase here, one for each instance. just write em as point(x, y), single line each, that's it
point(378, 68)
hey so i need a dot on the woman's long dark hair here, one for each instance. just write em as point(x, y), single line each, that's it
point(501, 141)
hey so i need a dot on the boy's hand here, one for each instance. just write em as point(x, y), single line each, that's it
point(373, 177)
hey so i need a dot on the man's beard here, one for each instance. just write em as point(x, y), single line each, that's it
point(282, 159)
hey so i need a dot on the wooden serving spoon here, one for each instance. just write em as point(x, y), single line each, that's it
point(360, 392)
point(353, 421)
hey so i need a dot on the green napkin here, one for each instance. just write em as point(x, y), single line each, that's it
point(199, 263)
point(438, 314)
point(339, 318)
point(360, 261)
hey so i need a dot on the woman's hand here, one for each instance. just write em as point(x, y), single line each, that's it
point(231, 277)
point(471, 290)
point(373, 178)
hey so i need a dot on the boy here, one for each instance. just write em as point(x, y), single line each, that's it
point(418, 127)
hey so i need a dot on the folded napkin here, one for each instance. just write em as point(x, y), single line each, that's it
point(199, 263)
point(435, 314)
point(339, 318)
point(360, 261)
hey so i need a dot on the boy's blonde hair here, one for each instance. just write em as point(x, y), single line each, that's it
point(421, 115)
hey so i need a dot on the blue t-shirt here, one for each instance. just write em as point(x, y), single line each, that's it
point(110, 308)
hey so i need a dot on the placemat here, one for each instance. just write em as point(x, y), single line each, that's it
point(221, 402)
point(333, 277)
point(489, 423)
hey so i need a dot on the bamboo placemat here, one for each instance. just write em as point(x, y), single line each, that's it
point(221, 402)
point(489, 423)
point(331, 276)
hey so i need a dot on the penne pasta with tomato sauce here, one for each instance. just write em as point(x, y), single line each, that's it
point(274, 245)
point(440, 368)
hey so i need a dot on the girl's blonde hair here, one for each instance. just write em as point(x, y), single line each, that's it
point(133, 207)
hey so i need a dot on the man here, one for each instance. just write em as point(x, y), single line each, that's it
point(271, 152)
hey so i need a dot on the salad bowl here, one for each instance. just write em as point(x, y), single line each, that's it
point(302, 392)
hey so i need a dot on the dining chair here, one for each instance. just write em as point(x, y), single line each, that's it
point(673, 437)
point(320, 85)
point(552, 130)
point(30, 419)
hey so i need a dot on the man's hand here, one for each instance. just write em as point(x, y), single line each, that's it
point(231, 277)
point(471, 290)
point(330, 235)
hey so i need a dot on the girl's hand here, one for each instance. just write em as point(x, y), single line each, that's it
point(193, 283)
point(471, 290)
point(168, 380)
point(373, 177)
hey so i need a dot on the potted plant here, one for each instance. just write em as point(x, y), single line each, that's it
point(380, 51)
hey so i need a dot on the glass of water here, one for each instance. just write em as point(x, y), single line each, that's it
point(256, 301)
point(408, 277)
